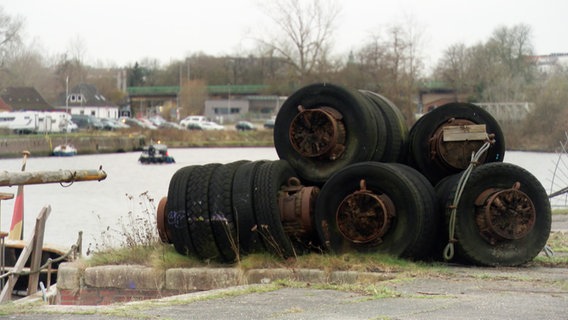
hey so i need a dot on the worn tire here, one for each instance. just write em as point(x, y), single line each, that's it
point(423, 130)
point(407, 234)
point(429, 248)
point(176, 217)
point(198, 220)
point(360, 132)
point(221, 210)
point(476, 249)
point(243, 208)
point(267, 182)
point(396, 138)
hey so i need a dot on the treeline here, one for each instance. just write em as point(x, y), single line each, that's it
point(503, 68)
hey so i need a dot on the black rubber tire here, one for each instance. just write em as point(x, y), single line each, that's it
point(267, 182)
point(176, 217)
point(429, 248)
point(198, 221)
point(396, 141)
point(243, 208)
point(407, 235)
point(358, 118)
point(221, 210)
point(471, 245)
point(443, 189)
point(423, 130)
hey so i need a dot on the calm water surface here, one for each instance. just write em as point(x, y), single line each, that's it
point(92, 206)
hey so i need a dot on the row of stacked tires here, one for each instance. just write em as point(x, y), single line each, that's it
point(353, 177)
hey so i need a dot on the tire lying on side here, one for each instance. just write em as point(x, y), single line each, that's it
point(322, 128)
point(436, 158)
point(376, 207)
point(503, 215)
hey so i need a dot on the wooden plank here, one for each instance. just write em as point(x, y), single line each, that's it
point(6, 196)
point(37, 251)
point(465, 133)
point(6, 294)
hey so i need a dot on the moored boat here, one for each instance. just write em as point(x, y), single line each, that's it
point(47, 276)
point(155, 153)
point(64, 150)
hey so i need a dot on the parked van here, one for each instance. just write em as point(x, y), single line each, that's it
point(57, 121)
point(20, 122)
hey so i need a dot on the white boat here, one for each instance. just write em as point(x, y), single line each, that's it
point(64, 150)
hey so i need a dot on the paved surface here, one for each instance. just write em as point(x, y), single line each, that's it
point(455, 293)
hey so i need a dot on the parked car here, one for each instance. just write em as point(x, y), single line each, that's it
point(147, 123)
point(211, 125)
point(245, 126)
point(131, 122)
point(113, 124)
point(87, 122)
point(171, 125)
point(269, 124)
point(193, 120)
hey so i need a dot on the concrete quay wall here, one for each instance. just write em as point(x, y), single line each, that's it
point(105, 285)
point(42, 145)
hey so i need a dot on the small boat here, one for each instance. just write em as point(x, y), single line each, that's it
point(155, 153)
point(64, 150)
point(13, 249)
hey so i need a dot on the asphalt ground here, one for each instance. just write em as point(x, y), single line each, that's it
point(456, 293)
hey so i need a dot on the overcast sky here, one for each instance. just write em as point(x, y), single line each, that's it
point(122, 32)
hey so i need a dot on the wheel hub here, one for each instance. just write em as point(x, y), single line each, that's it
point(318, 133)
point(506, 214)
point(296, 203)
point(364, 217)
point(454, 154)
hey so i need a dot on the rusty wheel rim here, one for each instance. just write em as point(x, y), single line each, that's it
point(364, 217)
point(317, 133)
point(163, 231)
point(454, 154)
point(507, 214)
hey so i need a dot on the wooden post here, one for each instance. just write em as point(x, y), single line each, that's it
point(6, 294)
point(37, 246)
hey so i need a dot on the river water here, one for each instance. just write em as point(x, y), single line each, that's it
point(92, 206)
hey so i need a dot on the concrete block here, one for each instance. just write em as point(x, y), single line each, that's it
point(124, 277)
point(68, 276)
point(198, 279)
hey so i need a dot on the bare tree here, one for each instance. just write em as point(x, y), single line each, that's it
point(390, 64)
point(453, 66)
point(304, 36)
point(10, 34)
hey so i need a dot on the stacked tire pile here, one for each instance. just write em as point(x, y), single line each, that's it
point(353, 177)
